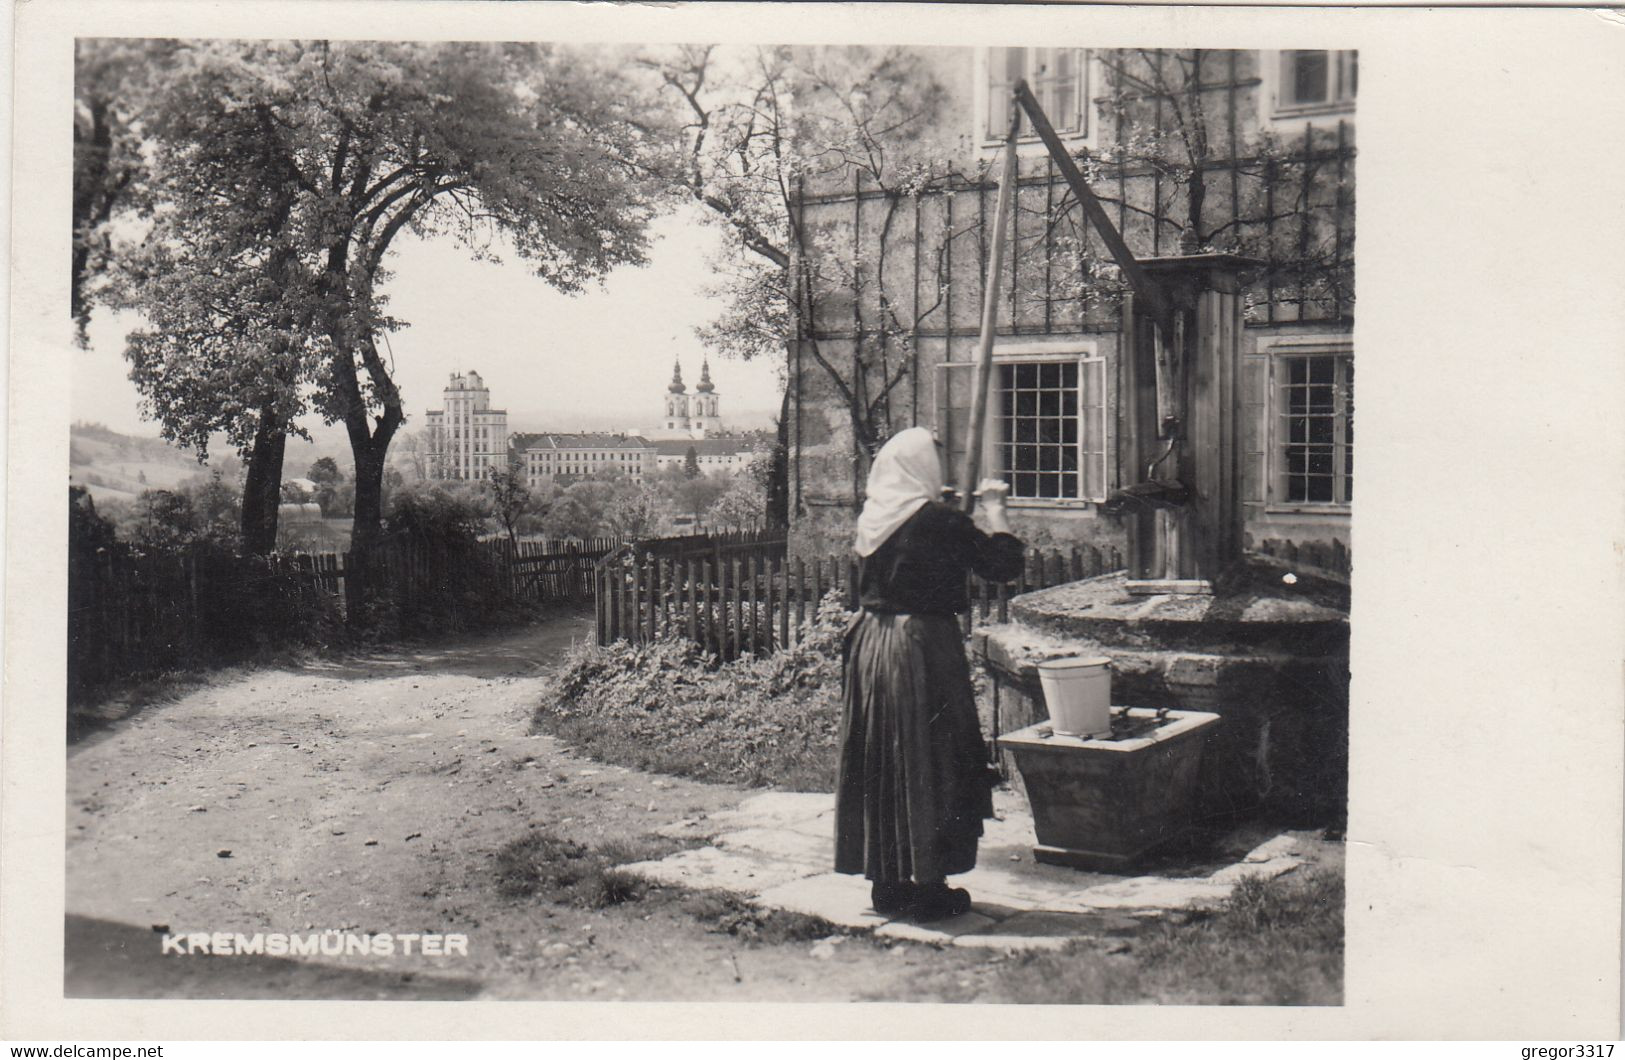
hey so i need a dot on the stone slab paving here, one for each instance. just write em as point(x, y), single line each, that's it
point(775, 849)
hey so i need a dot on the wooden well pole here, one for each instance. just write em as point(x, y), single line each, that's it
point(1008, 176)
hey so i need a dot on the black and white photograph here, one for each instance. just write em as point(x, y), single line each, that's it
point(668, 517)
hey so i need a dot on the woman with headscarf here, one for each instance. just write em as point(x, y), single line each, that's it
point(913, 785)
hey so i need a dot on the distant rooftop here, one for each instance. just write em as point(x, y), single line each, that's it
point(705, 446)
point(590, 440)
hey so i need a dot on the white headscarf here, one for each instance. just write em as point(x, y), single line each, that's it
point(906, 475)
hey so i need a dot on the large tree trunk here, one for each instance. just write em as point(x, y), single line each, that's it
point(368, 528)
point(262, 487)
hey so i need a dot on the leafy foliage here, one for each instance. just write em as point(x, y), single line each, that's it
point(670, 706)
point(759, 125)
point(434, 512)
point(511, 500)
point(283, 171)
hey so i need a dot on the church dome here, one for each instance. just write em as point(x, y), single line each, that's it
point(705, 386)
point(677, 386)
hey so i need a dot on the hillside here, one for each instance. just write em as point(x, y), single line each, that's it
point(114, 466)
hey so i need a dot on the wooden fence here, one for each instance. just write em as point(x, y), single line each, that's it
point(134, 613)
point(755, 600)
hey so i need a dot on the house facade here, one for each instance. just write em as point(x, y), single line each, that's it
point(546, 458)
point(728, 453)
point(1249, 153)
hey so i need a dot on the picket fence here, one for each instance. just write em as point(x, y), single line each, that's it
point(756, 599)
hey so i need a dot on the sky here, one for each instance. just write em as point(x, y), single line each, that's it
point(594, 361)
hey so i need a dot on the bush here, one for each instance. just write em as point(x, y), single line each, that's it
point(670, 706)
point(449, 583)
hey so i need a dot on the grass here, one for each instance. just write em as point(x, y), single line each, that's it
point(668, 707)
point(563, 871)
point(1275, 942)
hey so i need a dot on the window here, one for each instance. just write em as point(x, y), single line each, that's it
point(1317, 81)
point(1313, 412)
point(1046, 431)
point(1059, 79)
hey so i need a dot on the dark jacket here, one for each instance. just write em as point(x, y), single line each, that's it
point(920, 569)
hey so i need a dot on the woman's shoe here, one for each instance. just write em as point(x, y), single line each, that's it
point(891, 899)
point(939, 902)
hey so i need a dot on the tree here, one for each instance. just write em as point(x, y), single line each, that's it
point(741, 505)
point(692, 496)
point(632, 510)
point(1288, 203)
point(345, 145)
point(111, 82)
point(220, 279)
point(510, 498)
point(760, 124)
point(325, 473)
point(691, 463)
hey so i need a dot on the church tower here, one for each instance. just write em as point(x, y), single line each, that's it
point(677, 400)
point(703, 410)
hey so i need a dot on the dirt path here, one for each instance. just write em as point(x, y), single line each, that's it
point(372, 795)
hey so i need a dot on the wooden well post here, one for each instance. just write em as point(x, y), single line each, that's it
point(1181, 422)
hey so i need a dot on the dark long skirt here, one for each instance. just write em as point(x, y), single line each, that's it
point(912, 788)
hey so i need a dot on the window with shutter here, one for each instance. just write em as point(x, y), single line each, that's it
point(1046, 430)
point(1309, 82)
point(1058, 77)
point(1310, 420)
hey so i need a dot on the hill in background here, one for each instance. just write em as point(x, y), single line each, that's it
point(114, 466)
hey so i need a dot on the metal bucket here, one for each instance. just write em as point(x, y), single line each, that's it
point(1078, 693)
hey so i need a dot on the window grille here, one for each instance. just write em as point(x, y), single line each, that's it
point(1314, 429)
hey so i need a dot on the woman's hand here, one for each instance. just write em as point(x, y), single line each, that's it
point(992, 495)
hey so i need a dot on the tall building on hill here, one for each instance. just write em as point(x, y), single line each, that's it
point(466, 437)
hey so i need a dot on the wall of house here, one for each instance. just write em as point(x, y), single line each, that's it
point(895, 286)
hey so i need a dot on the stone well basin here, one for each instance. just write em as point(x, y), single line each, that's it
point(1270, 656)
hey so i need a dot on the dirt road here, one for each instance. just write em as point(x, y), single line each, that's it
point(372, 795)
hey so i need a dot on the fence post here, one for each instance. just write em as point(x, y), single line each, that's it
point(801, 598)
point(736, 626)
point(598, 606)
point(782, 566)
point(655, 602)
point(753, 564)
point(690, 588)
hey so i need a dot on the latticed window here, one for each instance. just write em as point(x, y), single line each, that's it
point(1318, 79)
point(1058, 78)
point(1314, 430)
point(1046, 431)
point(1038, 440)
